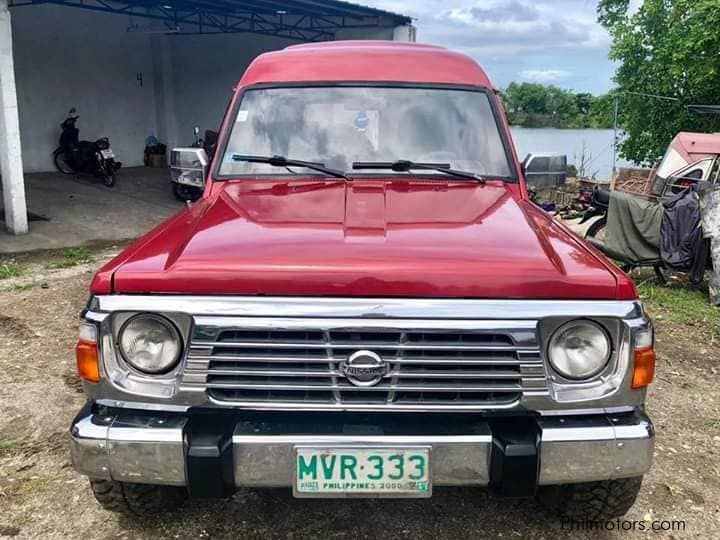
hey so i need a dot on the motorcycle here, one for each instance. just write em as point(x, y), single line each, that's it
point(74, 156)
point(187, 192)
point(663, 235)
point(595, 235)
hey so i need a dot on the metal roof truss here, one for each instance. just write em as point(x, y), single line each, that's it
point(301, 20)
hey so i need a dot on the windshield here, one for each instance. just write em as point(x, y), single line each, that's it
point(337, 126)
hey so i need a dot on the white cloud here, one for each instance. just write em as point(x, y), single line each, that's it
point(544, 75)
point(508, 37)
point(511, 28)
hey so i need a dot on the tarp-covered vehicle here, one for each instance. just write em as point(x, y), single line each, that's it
point(661, 230)
point(661, 235)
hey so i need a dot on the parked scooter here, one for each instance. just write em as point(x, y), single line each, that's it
point(75, 156)
point(192, 192)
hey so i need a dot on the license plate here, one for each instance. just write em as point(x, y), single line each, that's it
point(369, 472)
point(107, 154)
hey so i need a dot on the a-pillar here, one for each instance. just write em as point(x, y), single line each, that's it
point(11, 168)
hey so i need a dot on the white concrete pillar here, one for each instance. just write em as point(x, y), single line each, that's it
point(164, 89)
point(405, 32)
point(11, 167)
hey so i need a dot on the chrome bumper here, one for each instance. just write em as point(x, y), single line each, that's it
point(154, 449)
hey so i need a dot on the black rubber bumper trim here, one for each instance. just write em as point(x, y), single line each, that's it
point(514, 457)
point(209, 457)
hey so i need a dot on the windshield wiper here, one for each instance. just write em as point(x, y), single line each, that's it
point(403, 165)
point(280, 161)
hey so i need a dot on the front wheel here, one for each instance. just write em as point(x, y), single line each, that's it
point(137, 499)
point(61, 162)
point(109, 179)
point(597, 229)
point(184, 192)
point(603, 500)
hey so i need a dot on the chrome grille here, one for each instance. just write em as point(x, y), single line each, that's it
point(254, 362)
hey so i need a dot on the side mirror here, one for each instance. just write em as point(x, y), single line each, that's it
point(545, 170)
point(189, 166)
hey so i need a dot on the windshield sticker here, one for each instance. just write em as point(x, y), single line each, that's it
point(242, 116)
point(361, 120)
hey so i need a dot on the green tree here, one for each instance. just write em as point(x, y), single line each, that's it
point(536, 105)
point(668, 48)
point(602, 111)
point(583, 102)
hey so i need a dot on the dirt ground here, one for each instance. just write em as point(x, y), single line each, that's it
point(42, 497)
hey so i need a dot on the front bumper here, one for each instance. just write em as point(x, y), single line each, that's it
point(213, 454)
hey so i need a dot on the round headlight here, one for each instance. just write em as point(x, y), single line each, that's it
point(150, 343)
point(579, 349)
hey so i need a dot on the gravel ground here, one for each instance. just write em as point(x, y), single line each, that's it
point(42, 497)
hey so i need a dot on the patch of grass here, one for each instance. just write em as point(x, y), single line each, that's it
point(24, 287)
point(72, 257)
point(10, 270)
point(681, 304)
point(27, 485)
point(713, 423)
point(7, 446)
point(35, 483)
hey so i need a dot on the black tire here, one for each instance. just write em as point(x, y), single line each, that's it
point(603, 500)
point(184, 192)
point(596, 227)
point(109, 179)
point(137, 499)
point(61, 163)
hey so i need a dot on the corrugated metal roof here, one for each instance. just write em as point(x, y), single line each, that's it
point(350, 7)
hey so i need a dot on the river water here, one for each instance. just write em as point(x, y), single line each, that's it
point(595, 144)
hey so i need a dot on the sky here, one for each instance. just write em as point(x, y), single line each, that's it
point(546, 41)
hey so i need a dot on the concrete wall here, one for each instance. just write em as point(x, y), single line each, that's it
point(206, 68)
point(71, 57)
point(364, 33)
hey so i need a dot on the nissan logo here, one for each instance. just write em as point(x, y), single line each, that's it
point(364, 368)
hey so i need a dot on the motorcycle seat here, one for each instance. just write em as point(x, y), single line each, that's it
point(602, 197)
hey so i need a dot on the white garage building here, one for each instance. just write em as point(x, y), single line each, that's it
point(136, 68)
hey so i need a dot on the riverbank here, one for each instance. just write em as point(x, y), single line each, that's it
point(594, 147)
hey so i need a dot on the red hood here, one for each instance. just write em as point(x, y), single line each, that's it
point(368, 238)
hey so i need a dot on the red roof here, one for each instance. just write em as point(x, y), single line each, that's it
point(695, 146)
point(382, 61)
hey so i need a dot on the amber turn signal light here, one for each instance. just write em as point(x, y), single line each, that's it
point(88, 366)
point(643, 367)
point(86, 354)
